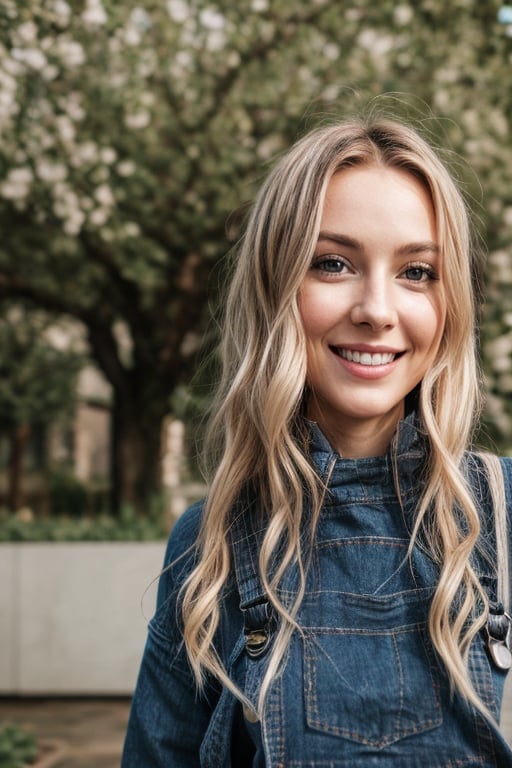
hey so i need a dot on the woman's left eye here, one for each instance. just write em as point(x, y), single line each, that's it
point(419, 273)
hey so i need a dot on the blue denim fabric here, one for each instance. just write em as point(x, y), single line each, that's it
point(361, 685)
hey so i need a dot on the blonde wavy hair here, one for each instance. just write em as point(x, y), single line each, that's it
point(256, 433)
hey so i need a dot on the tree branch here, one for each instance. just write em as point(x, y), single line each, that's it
point(12, 287)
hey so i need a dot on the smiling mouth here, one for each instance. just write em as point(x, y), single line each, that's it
point(366, 358)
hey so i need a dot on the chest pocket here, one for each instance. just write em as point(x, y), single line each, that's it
point(369, 671)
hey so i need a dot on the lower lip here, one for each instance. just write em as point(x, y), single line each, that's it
point(368, 372)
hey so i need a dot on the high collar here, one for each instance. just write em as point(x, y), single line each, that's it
point(407, 453)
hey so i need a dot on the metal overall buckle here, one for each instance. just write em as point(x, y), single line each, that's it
point(499, 636)
point(259, 625)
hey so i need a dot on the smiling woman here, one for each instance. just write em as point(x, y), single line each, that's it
point(340, 598)
point(372, 306)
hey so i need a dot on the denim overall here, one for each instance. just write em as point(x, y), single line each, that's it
point(361, 684)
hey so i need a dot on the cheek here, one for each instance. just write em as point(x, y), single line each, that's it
point(318, 311)
point(427, 324)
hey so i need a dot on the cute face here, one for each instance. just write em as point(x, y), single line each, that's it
point(371, 305)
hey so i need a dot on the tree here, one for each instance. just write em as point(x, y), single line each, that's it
point(131, 131)
point(37, 386)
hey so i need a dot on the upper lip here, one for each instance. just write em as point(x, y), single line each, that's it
point(367, 348)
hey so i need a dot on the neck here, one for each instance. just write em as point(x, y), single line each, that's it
point(359, 438)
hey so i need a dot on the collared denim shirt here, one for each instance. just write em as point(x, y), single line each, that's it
point(361, 684)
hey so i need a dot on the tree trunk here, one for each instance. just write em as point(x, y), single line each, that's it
point(136, 455)
point(18, 438)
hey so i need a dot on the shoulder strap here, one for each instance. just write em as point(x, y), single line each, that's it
point(490, 479)
point(492, 484)
point(259, 617)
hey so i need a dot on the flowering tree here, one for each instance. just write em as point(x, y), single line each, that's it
point(130, 131)
point(38, 381)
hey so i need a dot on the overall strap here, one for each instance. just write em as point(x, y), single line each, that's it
point(259, 617)
point(490, 479)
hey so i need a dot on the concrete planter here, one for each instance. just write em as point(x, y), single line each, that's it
point(73, 615)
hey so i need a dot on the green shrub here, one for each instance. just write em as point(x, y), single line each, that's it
point(18, 747)
point(128, 526)
point(68, 495)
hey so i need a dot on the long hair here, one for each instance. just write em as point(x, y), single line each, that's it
point(256, 433)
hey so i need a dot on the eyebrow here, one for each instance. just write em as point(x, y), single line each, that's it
point(350, 242)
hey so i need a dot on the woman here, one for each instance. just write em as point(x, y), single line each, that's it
point(338, 599)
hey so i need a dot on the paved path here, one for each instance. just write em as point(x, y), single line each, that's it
point(90, 732)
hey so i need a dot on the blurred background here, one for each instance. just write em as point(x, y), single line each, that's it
point(132, 134)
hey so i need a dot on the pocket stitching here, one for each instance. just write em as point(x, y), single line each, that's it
point(398, 732)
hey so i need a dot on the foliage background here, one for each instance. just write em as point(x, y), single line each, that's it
point(131, 130)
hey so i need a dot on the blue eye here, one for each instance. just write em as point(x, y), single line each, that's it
point(419, 273)
point(329, 264)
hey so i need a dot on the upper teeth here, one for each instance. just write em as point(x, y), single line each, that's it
point(367, 358)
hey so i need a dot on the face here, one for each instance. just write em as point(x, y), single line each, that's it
point(371, 305)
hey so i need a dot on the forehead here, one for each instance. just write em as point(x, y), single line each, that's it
point(378, 197)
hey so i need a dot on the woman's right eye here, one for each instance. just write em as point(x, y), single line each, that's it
point(333, 264)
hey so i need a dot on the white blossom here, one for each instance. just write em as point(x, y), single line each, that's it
point(233, 59)
point(50, 72)
point(21, 175)
point(216, 40)
point(131, 229)
point(377, 43)
point(137, 120)
point(94, 13)
point(67, 207)
point(104, 196)
point(354, 14)
point(184, 59)
point(50, 171)
point(72, 104)
point(126, 168)
point(108, 155)
point(17, 184)
point(8, 103)
point(139, 18)
point(62, 10)
point(31, 57)
point(268, 147)
point(507, 216)
point(86, 153)
point(65, 129)
point(99, 216)
point(26, 33)
point(132, 35)
point(259, 6)
point(331, 51)
point(331, 92)
point(403, 15)
point(70, 52)
point(212, 19)
point(178, 10)
point(74, 222)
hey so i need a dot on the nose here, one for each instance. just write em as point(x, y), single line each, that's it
point(374, 307)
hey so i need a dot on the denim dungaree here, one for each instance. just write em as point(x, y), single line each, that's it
point(361, 684)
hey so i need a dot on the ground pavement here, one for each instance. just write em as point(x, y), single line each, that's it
point(88, 733)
